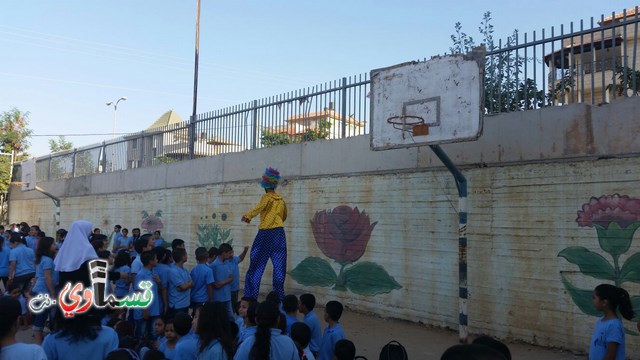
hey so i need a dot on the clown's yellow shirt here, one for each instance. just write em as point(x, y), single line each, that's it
point(272, 210)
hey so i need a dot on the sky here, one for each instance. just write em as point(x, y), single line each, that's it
point(62, 61)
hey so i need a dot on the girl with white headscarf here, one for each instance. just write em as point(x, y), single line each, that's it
point(72, 260)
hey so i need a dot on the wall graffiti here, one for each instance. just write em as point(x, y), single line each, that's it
point(615, 219)
point(213, 234)
point(342, 234)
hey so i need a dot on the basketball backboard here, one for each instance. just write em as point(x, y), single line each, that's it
point(28, 175)
point(428, 102)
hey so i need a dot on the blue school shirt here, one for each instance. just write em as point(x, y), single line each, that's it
point(282, 347)
point(235, 271)
point(122, 287)
point(168, 353)
point(59, 348)
point(246, 333)
point(213, 351)
point(607, 331)
point(179, 299)
point(290, 321)
point(202, 276)
point(31, 241)
point(329, 340)
point(154, 306)
point(136, 265)
point(22, 351)
point(220, 273)
point(163, 271)
point(125, 242)
point(187, 348)
point(40, 287)
point(24, 258)
point(4, 260)
point(311, 319)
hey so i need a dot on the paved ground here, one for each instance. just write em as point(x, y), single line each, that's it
point(370, 333)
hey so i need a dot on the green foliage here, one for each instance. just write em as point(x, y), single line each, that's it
point(270, 138)
point(164, 159)
point(14, 133)
point(60, 144)
point(314, 271)
point(213, 235)
point(504, 88)
point(626, 78)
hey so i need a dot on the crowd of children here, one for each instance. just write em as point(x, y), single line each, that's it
point(195, 314)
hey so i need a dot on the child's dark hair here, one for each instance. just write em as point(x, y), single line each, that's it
point(494, 344)
point(471, 352)
point(308, 300)
point(251, 310)
point(334, 310)
point(178, 254)
point(393, 351)
point(154, 354)
point(10, 311)
point(301, 334)
point(213, 252)
point(223, 248)
point(182, 323)
point(104, 254)
point(124, 329)
point(44, 248)
point(344, 350)
point(122, 354)
point(175, 243)
point(146, 257)
point(213, 323)
point(202, 254)
point(290, 303)
point(163, 255)
point(618, 299)
point(267, 316)
point(122, 258)
point(81, 326)
point(141, 243)
point(273, 297)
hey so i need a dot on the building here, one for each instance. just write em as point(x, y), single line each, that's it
point(584, 69)
point(167, 140)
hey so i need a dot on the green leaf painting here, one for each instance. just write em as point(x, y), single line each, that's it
point(314, 271)
point(213, 234)
point(367, 278)
point(615, 219)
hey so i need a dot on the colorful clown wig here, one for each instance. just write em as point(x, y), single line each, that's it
point(270, 178)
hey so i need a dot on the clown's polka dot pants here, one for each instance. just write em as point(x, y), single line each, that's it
point(268, 244)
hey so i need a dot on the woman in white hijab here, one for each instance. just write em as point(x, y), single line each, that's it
point(72, 259)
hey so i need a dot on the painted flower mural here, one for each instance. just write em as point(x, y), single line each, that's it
point(615, 219)
point(342, 234)
point(213, 234)
point(153, 222)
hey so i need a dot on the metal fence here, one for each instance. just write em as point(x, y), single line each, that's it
point(592, 64)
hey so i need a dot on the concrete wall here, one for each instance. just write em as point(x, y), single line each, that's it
point(528, 176)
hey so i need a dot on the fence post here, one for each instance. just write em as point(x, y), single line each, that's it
point(48, 168)
point(73, 167)
point(192, 137)
point(344, 107)
point(104, 158)
point(254, 125)
point(142, 152)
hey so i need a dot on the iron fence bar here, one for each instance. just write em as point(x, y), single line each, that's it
point(635, 48)
point(602, 100)
point(613, 59)
point(625, 84)
point(582, 73)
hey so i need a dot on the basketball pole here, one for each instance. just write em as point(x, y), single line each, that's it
point(461, 184)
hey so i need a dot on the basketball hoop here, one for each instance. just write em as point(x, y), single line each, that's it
point(409, 122)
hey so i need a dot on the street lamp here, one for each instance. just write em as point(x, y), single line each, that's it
point(115, 112)
point(115, 117)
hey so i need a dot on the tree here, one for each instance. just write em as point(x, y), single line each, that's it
point(60, 144)
point(13, 144)
point(504, 87)
point(321, 131)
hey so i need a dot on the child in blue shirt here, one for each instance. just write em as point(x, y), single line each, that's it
point(214, 332)
point(46, 281)
point(168, 346)
point(4, 260)
point(187, 344)
point(123, 242)
point(21, 263)
point(608, 340)
point(307, 304)
point(235, 271)
point(163, 270)
point(121, 264)
point(247, 313)
point(290, 307)
point(180, 284)
point(145, 318)
point(333, 332)
point(223, 278)
point(202, 277)
point(9, 318)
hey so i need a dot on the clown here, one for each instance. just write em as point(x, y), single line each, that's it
point(271, 241)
